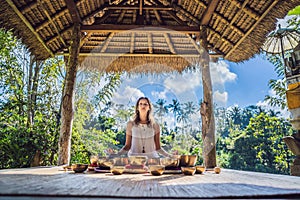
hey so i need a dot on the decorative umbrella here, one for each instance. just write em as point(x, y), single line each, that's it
point(281, 40)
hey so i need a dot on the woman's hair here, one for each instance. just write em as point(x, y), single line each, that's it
point(150, 118)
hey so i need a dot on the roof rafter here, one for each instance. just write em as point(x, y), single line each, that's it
point(138, 28)
point(14, 7)
point(251, 29)
point(209, 12)
point(52, 22)
point(73, 11)
point(248, 11)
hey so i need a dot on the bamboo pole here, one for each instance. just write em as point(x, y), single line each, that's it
point(64, 144)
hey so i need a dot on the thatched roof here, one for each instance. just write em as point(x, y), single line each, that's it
point(122, 35)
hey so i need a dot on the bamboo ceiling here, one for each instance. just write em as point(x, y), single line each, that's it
point(126, 34)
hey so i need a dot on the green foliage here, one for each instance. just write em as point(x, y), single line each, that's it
point(295, 11)
point(104, 95)
point(258, 147)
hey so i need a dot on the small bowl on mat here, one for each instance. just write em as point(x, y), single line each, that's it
point(79, 168)
point(156, 170)
point(200, 169)
point(117, 170)
point(188, 170)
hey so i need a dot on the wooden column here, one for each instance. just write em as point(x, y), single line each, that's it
point(207, 111)
point(67, 112)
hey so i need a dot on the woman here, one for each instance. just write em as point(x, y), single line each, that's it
point(143, 133)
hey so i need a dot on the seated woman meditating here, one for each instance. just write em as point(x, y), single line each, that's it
point(143, 133)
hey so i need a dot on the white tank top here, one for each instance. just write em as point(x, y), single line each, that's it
point(143, 139)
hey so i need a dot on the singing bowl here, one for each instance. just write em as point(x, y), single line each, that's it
point(188, 160)
point(154, 161)
point(117, 170)
point(200, 169)
point(120, 161)
point(188, 170)
point(94, 160)
point(170, 162)
point(137, 160)
point(156, 170)
point(79, 168)
point(104, 161)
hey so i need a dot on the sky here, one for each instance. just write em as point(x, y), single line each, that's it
point(234, 84)
point(241, 84)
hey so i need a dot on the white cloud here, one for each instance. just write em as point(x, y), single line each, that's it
point(185, 82)
point(129, 94)
point(159, 95)
point(220, 98)
point(220, 73)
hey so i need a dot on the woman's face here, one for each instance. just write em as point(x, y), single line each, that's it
point(143, 106)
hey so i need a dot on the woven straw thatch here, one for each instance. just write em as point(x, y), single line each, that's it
point(158, 31)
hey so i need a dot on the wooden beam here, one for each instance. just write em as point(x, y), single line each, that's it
point(27, 23)
point(40, 3)
point(46, 22)
point(29, 6)
point(56, 16)
point(129, 7)
point(62, 32)
point(183, 11)
point(141, 7)
point(209, 12)
point(248, 11)
point(84, 39)
point(132, 43)
point(134, 55)
point(200, 51)
point(150, 43)
point(158, 17)
point(107, 41)
point(251, 29)
point(138, 28)
point(177, 19)
point(169, 42)
point(92, 14)
point(73, 11)
point(121, 16)
point(233, 20)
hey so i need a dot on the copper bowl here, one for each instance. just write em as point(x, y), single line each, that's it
point(188, 160)
point(79, 168)
point(200, 169)
point(94, 160)
point(156, 170)
point(104, 161)
point(154, 161)
point(137, 160)
point(170, 162)
point(188, 170)
point(117, 170)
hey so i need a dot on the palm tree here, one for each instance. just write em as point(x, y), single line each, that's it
point(175, 108)
point(189, 109)
point(161, 109)
point(123, 114)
